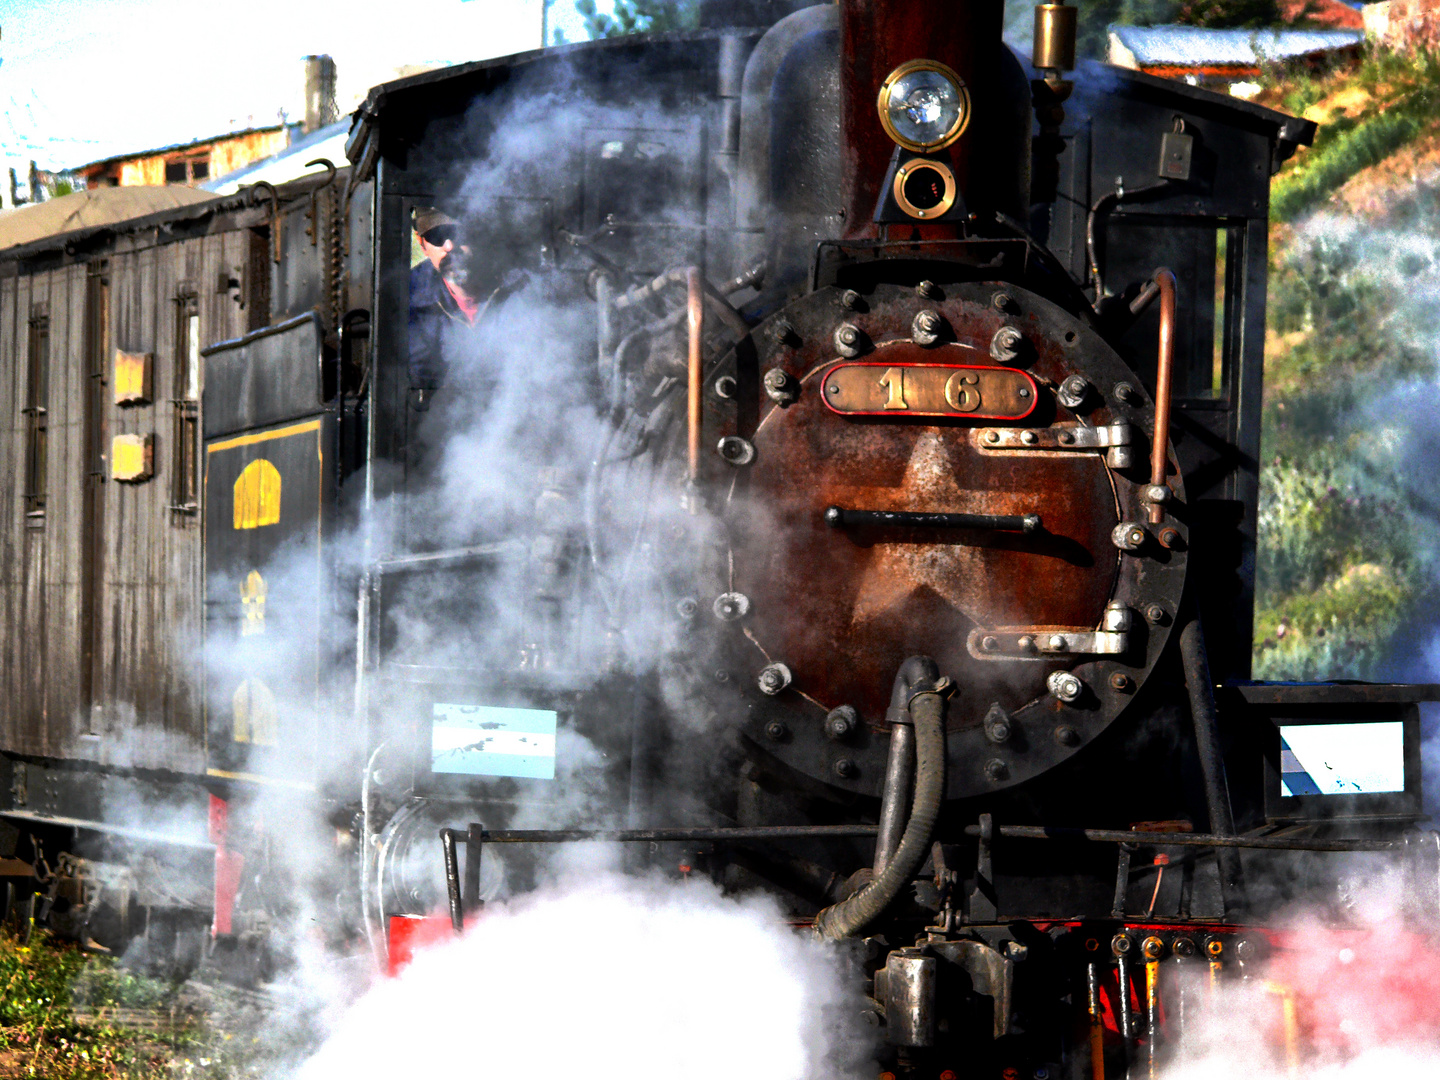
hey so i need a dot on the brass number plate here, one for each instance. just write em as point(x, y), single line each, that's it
point(879, 389)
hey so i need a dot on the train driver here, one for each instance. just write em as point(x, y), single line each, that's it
point(439, 299)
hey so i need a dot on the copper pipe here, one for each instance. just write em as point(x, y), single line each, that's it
point(1097, 1025)
point(1164, 379)
point(696, 311)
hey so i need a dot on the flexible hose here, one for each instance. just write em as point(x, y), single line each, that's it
point(927, 711)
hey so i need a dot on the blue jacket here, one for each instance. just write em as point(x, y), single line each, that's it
point(432, 311)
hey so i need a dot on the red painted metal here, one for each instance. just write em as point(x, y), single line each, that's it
point(228, 867)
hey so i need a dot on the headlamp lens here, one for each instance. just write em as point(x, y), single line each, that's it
point(924, 106)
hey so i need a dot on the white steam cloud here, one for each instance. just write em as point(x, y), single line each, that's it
point(608, 976)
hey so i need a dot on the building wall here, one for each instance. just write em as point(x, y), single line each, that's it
point(221, 156)
point(140, 581)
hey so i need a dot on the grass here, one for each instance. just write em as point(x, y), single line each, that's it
point(66, 1015)
point(1402, 94)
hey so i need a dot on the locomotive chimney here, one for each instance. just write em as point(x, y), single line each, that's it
point(319, 92)
point(877, 36)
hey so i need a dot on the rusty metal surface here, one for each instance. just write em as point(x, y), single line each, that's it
point(904, 378)
point(843, 607)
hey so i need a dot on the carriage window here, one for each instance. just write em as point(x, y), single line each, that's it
point(186, 442)
point(37, 400)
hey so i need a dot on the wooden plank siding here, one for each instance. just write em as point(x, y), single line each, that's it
point(145, 592)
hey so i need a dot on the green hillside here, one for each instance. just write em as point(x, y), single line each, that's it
point(1349, 531)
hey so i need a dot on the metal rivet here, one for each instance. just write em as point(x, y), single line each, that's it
point(995, 769)
point(1120, 681)
point(725, 387)
point(1025, 643)
point(1156, 493)
point(990, 644)
point(1066, 735)
point(1066, 438)
point(1183, 946)
point(722, 676)
point(992, 436)
point(780, 387)
point(1057, 641)
point(928, 290)
point(850, 298)
point(687, 607)
point(1169, 538)
point(1029, 438)
point(775, 730)
point(845, 769)
point(1126, 393)
point(1001, 301)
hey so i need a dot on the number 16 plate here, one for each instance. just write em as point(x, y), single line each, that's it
point(878, 389)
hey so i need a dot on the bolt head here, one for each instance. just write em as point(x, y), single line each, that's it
point(687, 607)
point(1169, 538)
point(1065, 686)
point(1001, 301)
point(850, 298)
point(990, 644)
point(773, 678)
point(775, 730)
point(996, 770)
point(725, 387)
point(1126, 393)
point(1120, 681)
point(731, 606)
point(1153, 948)
point(928, 290)
point(845, 769)
point(848, 334)
point(1156, 614)
point(722, 676)
point(1183, 947)
point(1066, 735)
point(1120, 944)
point(776, 379)
point(1157, 493)
point(998, 731)
point(841, 722)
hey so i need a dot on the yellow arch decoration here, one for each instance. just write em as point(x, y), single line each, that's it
point(257, 495)
point(256, 715)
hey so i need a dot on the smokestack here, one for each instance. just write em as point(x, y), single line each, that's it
point(319, 92)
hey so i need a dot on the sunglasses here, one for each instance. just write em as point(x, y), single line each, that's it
point(438, 236)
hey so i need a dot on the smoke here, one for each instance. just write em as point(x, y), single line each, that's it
point(611, 976)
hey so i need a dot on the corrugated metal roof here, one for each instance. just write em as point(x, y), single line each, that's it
point(88, 209)
point(1187, 46)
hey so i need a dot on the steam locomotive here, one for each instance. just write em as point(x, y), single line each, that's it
point(840, 479)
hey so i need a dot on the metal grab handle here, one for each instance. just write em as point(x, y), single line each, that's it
point(1164, 388)
point(838, 517)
